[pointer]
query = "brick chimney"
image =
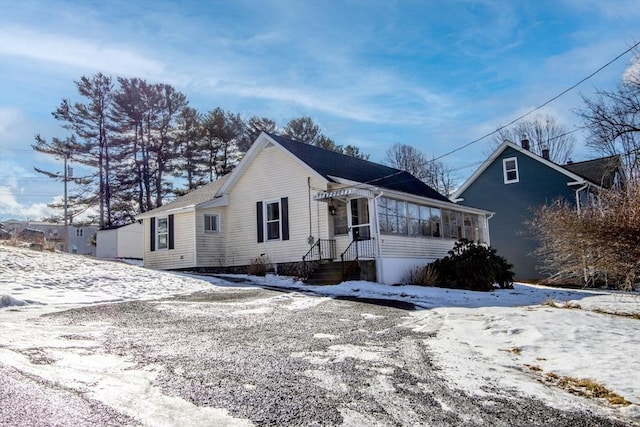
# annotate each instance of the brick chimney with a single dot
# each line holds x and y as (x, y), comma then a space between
(525, 143)
(545, 152)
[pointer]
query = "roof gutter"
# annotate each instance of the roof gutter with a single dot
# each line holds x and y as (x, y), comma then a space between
(155, 213)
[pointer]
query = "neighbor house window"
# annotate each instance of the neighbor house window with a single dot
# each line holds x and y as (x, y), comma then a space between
(163, 233)
(510, 169)
(211, 223)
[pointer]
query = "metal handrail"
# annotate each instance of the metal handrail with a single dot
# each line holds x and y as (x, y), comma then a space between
(356, 251)
(322, 249)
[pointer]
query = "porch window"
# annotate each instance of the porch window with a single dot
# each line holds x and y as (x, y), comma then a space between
(436, 222)
(471, 228)
(411, 219)
(392, 216)
(211, 223)
(423, 221)
(510, 170)
(452, 223)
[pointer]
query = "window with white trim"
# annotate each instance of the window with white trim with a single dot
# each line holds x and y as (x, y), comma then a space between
(162, 235)
(416, 220)
(211, 223)
(272, 220)
(510, 170)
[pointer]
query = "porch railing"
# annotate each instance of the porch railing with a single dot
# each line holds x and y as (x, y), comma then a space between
(360, 247)
(322, 249)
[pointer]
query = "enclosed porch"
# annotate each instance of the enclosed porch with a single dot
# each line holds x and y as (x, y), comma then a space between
(379, 235)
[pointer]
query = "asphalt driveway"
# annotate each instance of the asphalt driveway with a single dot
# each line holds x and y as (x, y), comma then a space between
(282, 358)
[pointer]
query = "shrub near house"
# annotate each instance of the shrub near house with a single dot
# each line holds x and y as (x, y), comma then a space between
(468, 266)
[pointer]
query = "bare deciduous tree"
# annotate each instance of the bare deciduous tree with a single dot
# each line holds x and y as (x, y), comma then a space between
(432, 172)
(613, 120)
(542, 131)
(600, 244)
(408, 159)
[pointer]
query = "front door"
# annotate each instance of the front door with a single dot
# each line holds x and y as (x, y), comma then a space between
(360, 227)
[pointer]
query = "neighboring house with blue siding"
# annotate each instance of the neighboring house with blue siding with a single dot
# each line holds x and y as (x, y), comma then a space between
(513, 182)
(287, 200)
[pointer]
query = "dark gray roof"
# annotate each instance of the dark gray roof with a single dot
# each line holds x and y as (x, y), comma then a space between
(332, 164)
(600, 171)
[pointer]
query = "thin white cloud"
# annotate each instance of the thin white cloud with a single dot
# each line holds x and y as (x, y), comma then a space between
(627, 9)
(632, 73)
(75, 52)
(10, 207)
(11, 120)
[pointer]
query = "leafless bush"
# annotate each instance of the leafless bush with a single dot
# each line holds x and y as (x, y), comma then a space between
(600, 245)
(258, 266)
(422, 275)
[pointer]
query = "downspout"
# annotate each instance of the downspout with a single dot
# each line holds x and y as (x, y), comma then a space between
(585, 186)
(488, 232)
(310, 239)
(379, 269)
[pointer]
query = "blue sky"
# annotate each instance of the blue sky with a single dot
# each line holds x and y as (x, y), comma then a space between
(431, 74)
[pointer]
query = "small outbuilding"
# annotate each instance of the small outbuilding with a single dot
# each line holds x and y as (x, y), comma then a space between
(121, 242)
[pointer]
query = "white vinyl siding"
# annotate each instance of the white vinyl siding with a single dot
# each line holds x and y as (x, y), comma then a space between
(272, 220)
(182, 255)
(394, 246)
(510, 170)
(260, 184)
(211, 223)
(211, 247)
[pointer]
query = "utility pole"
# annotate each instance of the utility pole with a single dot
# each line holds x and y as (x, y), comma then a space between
(66, 223)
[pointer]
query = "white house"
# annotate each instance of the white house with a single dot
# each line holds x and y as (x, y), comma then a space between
(287, 201)
(121, 242)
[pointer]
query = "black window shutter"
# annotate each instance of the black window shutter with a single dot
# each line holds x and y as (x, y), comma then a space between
(171, 236)
(284, 208)
(152, 235)
(260, 223)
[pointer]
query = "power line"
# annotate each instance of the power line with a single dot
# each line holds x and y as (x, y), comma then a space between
(540, 106)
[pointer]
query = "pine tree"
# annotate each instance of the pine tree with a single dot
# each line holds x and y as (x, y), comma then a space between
(89, 145)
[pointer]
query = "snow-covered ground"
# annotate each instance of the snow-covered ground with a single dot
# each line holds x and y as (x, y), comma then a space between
(526, 338)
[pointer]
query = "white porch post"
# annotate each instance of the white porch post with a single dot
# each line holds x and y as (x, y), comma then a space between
(376, 228)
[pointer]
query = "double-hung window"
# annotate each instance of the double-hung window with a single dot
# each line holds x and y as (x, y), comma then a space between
(211, 223)
(163, 233)
(272, 218)
(510, 170)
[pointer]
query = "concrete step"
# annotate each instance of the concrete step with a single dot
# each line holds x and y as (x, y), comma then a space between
(330, 273)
